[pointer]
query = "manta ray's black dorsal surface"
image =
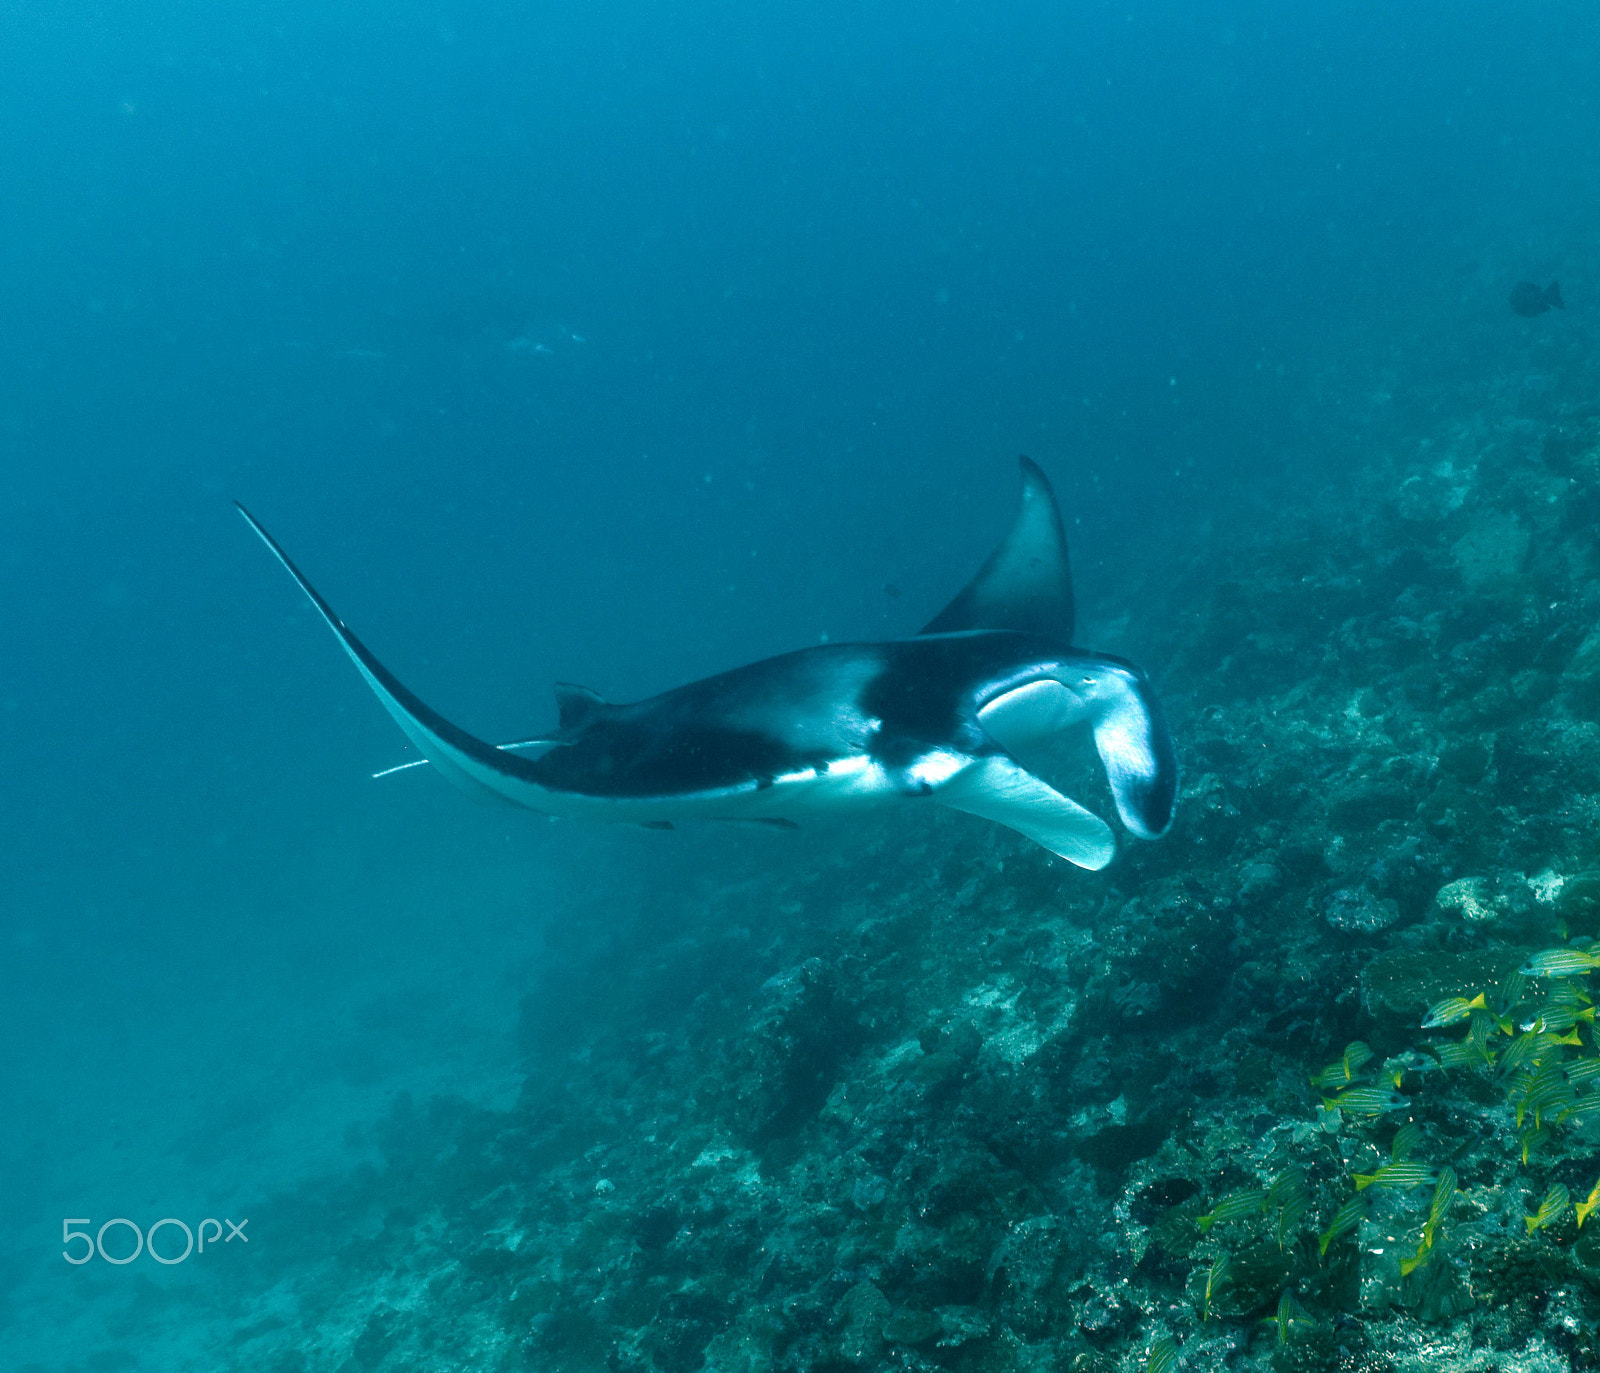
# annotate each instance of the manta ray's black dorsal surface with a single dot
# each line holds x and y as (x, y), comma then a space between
(939, 717)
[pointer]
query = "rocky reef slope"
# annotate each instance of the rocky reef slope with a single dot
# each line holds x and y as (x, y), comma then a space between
(942, 1102)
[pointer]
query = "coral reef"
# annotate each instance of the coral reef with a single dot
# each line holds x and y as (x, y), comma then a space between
(977, 1111)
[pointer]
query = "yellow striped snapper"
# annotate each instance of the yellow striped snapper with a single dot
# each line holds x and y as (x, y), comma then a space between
(1412, 1061)
(1406, 1138)
(1551, 1209)
(1443, 1194)
(1163, 1357)
(1580, 1074)
(1558, 1019)
(1561, 962)
(1368, 1101)
(1452, 1010)
(1216, 1275)
(1290, 1197)
(1248, 1201)
(1290, 1314)
(1342, 1073)
(1512, 987)
(1587, 1205)
(1469, 1053)
(1345, 1219)
(1537, 1091)
(1534, 1047)
(1397, 1177)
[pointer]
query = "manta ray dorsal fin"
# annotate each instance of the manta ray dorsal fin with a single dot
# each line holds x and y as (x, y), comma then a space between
(1027, 582)
(576, 707)
(1000, 789)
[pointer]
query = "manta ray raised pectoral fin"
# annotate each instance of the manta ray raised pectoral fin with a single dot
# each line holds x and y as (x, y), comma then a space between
(480, 769)
(999, 788)
(1026, 585)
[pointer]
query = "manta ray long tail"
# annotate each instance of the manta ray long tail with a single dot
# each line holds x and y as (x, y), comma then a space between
(540, 742)
(477, 768)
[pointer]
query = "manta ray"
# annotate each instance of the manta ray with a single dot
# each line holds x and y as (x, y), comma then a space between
(942, 716)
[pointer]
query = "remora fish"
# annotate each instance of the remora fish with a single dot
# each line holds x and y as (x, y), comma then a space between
(846, 725)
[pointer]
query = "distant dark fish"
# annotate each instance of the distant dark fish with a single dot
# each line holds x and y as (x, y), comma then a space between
(1529, 300)
(891, 590)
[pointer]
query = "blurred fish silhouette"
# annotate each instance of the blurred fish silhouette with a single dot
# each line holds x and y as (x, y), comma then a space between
(845, 726)
(1529, 300)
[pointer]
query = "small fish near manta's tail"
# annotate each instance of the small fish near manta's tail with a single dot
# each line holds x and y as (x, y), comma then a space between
(482, 771)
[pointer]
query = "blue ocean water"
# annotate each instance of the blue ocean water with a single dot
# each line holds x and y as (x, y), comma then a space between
(615, 343)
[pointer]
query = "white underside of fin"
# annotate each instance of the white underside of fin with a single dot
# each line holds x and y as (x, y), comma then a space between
(999, 788)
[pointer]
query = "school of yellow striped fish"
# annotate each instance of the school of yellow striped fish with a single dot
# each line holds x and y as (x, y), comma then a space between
(1527, 1035)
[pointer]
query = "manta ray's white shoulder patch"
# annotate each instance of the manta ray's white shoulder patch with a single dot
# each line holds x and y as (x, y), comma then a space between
(935, 768)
